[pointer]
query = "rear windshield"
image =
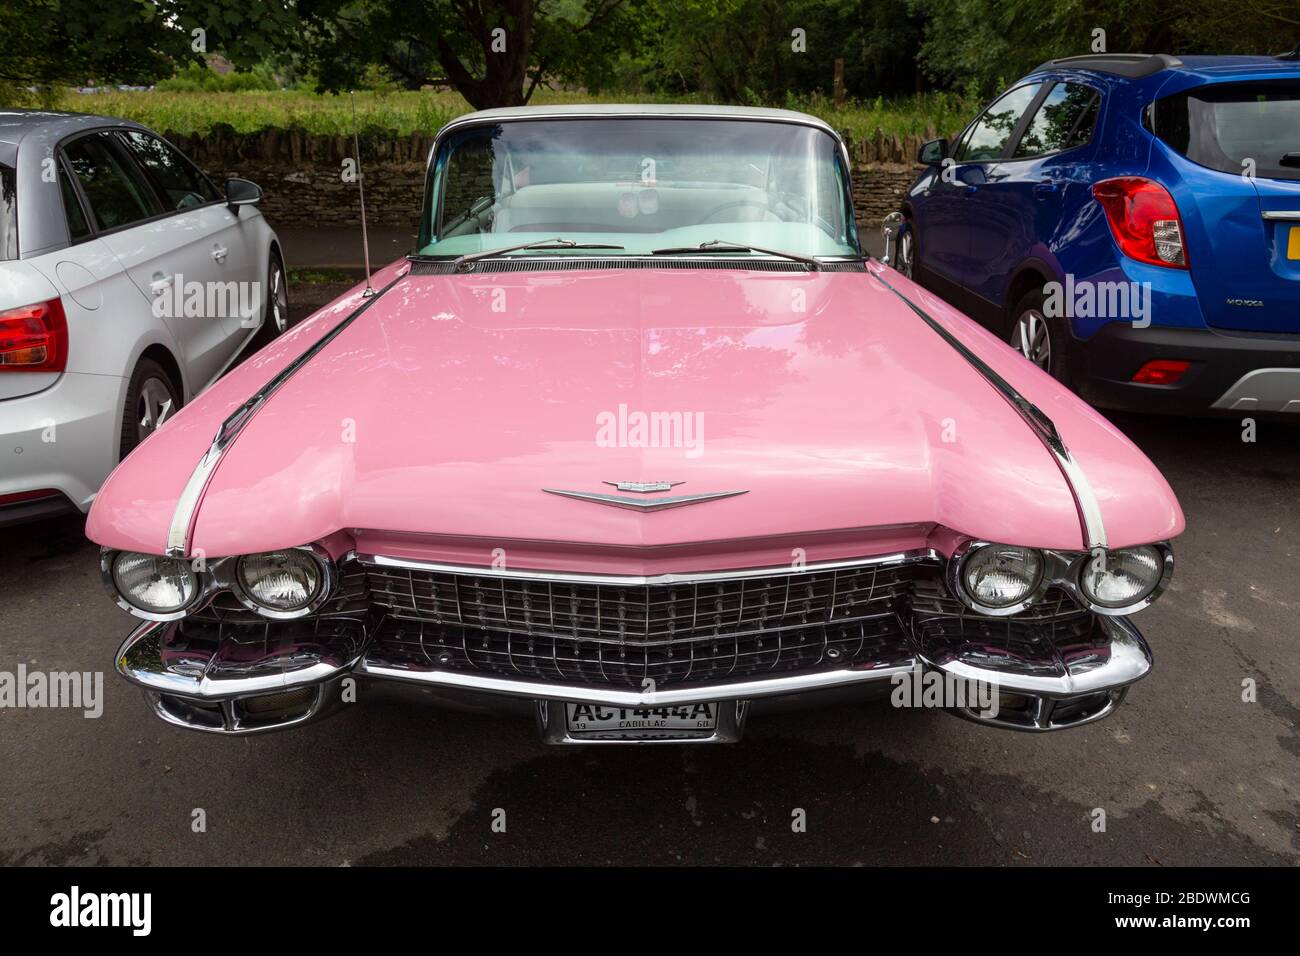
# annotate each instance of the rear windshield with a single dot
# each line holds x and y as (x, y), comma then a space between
(1234, 126)
(8, 214)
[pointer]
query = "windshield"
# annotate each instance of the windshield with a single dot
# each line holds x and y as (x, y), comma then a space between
(1236, 126)
(643, 184)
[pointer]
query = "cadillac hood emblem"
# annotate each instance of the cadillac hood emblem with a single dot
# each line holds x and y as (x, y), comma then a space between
(645, 488)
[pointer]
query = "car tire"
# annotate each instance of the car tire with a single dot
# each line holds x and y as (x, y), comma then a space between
(151, 395)
(1043, 339)
(275, 320)
(905, 254)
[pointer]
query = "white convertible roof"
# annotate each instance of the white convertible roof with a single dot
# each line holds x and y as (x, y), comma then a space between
(579, 110)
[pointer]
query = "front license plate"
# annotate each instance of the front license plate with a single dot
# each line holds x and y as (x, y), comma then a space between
(641, 723)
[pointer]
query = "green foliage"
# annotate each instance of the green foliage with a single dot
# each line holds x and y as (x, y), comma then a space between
(187, 113)
(493, 52)
(50, 43)
(196, 78)
(759, 51)
(733, 51)
(403, 113)
(985, 44)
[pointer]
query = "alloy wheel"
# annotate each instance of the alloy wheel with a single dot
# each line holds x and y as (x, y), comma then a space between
(279, 298)
(1032, 338)
(906, 248)
(153, 407)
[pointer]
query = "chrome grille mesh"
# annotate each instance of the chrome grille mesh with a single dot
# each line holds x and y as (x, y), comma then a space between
(721, 657)
(1045, 639)
(625, 634)
(870, 616)
(640, 614)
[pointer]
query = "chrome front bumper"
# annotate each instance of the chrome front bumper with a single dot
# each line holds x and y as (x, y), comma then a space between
(300, 675)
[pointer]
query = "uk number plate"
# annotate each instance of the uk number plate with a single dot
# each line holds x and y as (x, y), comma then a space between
(641, 722)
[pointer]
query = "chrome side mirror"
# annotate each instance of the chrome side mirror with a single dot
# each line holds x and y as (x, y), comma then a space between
(890, 227)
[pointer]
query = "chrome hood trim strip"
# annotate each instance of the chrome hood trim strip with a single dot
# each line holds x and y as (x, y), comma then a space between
(635, 580)
(181, 531)
(643, 504)
(1085, 500)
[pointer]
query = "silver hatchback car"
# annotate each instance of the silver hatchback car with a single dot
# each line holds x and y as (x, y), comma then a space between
(128, 282)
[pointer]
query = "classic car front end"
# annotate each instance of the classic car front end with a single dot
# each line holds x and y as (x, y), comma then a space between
(637, 441)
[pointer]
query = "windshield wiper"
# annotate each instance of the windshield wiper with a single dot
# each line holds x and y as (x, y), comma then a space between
(720, 245)
(476, 209)
(556, 243)
(1290, 159)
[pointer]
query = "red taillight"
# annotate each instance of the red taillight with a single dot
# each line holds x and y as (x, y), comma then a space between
(28, 496)
(1144, 220)
(34, 338)
(1161, 372)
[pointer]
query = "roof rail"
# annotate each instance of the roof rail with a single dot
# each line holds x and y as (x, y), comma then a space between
(1131, 65)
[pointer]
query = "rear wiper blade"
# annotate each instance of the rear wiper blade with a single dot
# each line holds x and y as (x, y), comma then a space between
(1290, 159)
(719, 245)
(556, 243)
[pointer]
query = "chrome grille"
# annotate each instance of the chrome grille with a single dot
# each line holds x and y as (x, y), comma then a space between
(709, 658)
(1043, 639)
(643, 613)
(624, 634)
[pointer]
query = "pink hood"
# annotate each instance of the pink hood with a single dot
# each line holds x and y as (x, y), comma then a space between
(448, 406)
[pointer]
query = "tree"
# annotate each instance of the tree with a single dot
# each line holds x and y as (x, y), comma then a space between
(492, 52)
(50, 43)
(987, 43)
(761, 51)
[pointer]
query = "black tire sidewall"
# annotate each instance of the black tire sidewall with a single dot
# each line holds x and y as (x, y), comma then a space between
(145, 369)
(909, 230)
(1057, 330)
(268, 332)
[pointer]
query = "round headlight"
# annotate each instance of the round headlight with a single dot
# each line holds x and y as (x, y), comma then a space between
(154, 584)
(1122, 578)
(280, 581)
(1001, 576)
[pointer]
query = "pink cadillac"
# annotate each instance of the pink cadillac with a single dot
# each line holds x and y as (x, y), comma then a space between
(639, 441)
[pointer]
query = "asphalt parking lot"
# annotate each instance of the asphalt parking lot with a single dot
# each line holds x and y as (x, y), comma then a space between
(1187, 772)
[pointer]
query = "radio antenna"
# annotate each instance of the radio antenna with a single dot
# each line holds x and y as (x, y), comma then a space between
(361, 184)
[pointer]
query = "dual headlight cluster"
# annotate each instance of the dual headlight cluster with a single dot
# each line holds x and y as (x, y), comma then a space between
(1002, 579)
(278, 584)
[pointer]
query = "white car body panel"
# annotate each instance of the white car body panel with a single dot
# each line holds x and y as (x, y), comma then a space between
(62, 430)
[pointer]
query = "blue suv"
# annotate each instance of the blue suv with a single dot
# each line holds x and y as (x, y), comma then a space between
(1130, 223)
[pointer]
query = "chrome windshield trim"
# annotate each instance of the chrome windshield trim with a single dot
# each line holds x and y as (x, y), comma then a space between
(730, 113)
(181, 530)
(1085, 500)
(897, 558)
(446, 265)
